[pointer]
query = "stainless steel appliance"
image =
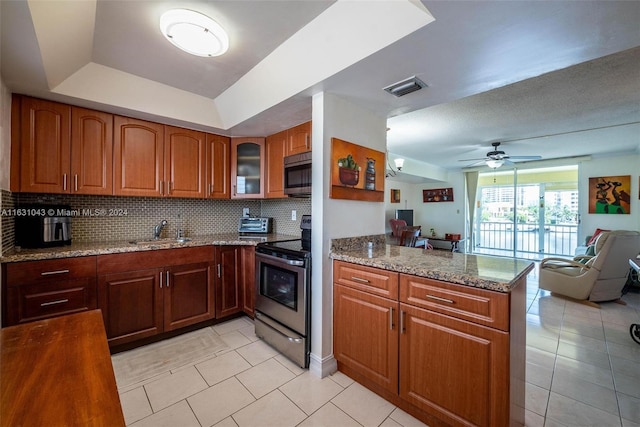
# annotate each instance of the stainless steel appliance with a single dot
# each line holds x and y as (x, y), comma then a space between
(253, 225)
(283, 296)
(297, 175)
(43, 226)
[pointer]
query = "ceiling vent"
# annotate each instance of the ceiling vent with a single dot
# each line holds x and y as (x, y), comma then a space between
(406, 86)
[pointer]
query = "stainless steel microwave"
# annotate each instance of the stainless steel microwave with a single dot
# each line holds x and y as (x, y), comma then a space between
(297, 175)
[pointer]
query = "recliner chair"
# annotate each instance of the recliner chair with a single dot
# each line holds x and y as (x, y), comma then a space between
(597, 278)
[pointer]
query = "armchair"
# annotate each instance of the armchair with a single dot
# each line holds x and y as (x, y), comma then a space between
(597, 278)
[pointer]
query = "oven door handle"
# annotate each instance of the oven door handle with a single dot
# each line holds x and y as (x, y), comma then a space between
(291, 339)
(294, 262)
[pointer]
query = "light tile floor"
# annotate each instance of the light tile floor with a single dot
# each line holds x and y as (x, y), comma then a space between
(583, 369)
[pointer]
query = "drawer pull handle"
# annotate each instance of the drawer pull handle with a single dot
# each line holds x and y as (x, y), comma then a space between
(358, 279)
(60, 301)
(49, 273)
(450, 301)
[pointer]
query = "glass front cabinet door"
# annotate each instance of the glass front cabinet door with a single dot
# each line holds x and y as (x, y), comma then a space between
(247, 168)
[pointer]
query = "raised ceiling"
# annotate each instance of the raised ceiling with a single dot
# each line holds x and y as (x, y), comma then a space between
(557, 79)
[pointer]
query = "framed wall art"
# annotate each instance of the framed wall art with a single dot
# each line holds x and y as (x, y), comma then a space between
(437, 195)
(357, 172)
(610, 195)
(395, 196)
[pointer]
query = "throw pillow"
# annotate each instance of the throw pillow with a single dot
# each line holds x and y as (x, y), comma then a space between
(593, 238)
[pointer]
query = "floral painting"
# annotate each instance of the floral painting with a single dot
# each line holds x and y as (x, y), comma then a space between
(357, 172)
(610, 195)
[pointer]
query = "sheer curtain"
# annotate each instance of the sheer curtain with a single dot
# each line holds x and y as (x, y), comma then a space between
(471, 178)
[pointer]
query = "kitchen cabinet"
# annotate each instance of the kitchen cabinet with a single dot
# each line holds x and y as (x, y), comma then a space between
(247, 168)
(45, 144)
(62, 149)
(138, 157)
(228, 260)
(91, 152)
(42, 289)
(276, 151)
(299, 139)
(413, 340)
(218, 154)
(184, 162)
(249, 279)
(142, 294)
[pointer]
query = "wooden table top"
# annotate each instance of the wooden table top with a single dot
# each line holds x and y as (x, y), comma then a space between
(58, 372)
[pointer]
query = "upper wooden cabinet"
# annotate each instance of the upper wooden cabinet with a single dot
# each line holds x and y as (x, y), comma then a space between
(276, 151)
(299, 139)
(45, 144)
(184, 162)
(247, 168)
(138, 157)
(218, 154)
(91, 152)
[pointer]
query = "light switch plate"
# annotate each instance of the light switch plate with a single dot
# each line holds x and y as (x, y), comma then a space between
(294, 215)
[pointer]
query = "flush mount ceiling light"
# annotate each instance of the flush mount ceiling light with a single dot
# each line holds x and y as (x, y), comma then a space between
(194, 32)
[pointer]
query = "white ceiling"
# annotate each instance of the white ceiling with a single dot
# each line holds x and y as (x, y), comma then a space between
(553, 78)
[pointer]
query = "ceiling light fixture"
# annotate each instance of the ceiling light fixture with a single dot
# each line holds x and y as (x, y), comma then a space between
(398, 162)
(194, 32)
(494, 163)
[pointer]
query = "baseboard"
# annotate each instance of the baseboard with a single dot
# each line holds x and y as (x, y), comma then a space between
(322, 367)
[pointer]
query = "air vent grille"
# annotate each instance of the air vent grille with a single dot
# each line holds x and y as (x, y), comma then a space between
(406, 86)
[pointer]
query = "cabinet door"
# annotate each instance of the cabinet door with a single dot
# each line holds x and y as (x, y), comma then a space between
(188, 295)
(228, 285)
(249, 279)
(299, 139)
(138, 157)
(440, 354)
(217, 167)
(91, 152)
(276, 150)
(184, 158)
(131, 304)
(44, 146)
(365, 336)
(247, 168)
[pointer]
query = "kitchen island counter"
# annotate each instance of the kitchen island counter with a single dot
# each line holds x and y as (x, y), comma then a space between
(479, 271)
(116, 247)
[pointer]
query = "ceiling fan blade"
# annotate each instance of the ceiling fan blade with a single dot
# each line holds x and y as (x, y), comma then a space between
(476, 163)
(525, 157)
(473, 160)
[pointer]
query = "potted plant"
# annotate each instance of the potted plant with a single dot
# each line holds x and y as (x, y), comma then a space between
(349, 171)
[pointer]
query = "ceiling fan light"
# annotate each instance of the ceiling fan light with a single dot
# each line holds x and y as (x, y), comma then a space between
(194, 32)
(495, 163)
(399, 163)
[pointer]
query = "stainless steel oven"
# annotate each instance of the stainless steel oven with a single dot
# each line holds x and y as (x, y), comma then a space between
(283, 291)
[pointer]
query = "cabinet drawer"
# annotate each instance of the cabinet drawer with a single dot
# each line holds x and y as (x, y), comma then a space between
(368, 279)
(29, 272)
(32, 302)
(479, 306)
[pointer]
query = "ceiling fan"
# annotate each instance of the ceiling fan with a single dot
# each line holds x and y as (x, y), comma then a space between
(497, 158)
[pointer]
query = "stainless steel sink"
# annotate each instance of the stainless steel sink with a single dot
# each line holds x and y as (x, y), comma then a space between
(159, 241)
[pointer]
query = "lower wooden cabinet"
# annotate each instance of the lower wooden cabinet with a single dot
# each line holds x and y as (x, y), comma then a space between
(37, 290)
(249, 279)
(420, 350)
(142, 294)
(228, 261)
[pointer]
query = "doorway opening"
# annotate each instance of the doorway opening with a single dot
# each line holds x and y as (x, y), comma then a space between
(527, 213)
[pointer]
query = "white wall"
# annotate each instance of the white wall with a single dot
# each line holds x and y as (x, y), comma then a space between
(336, 117)
(608, 166)
(5, 136)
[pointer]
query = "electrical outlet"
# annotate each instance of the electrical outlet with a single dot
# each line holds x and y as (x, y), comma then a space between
(294, 215)
(245, 212)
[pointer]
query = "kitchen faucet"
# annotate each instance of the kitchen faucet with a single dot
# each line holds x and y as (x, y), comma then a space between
(158, 229)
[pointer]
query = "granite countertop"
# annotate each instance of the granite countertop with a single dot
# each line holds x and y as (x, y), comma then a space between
(116, 247)
(479, 271)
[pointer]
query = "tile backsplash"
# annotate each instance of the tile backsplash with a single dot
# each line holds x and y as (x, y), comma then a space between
(7, 224)
(122, 218)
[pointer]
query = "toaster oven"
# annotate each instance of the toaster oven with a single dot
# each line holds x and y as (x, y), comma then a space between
(251, 225)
